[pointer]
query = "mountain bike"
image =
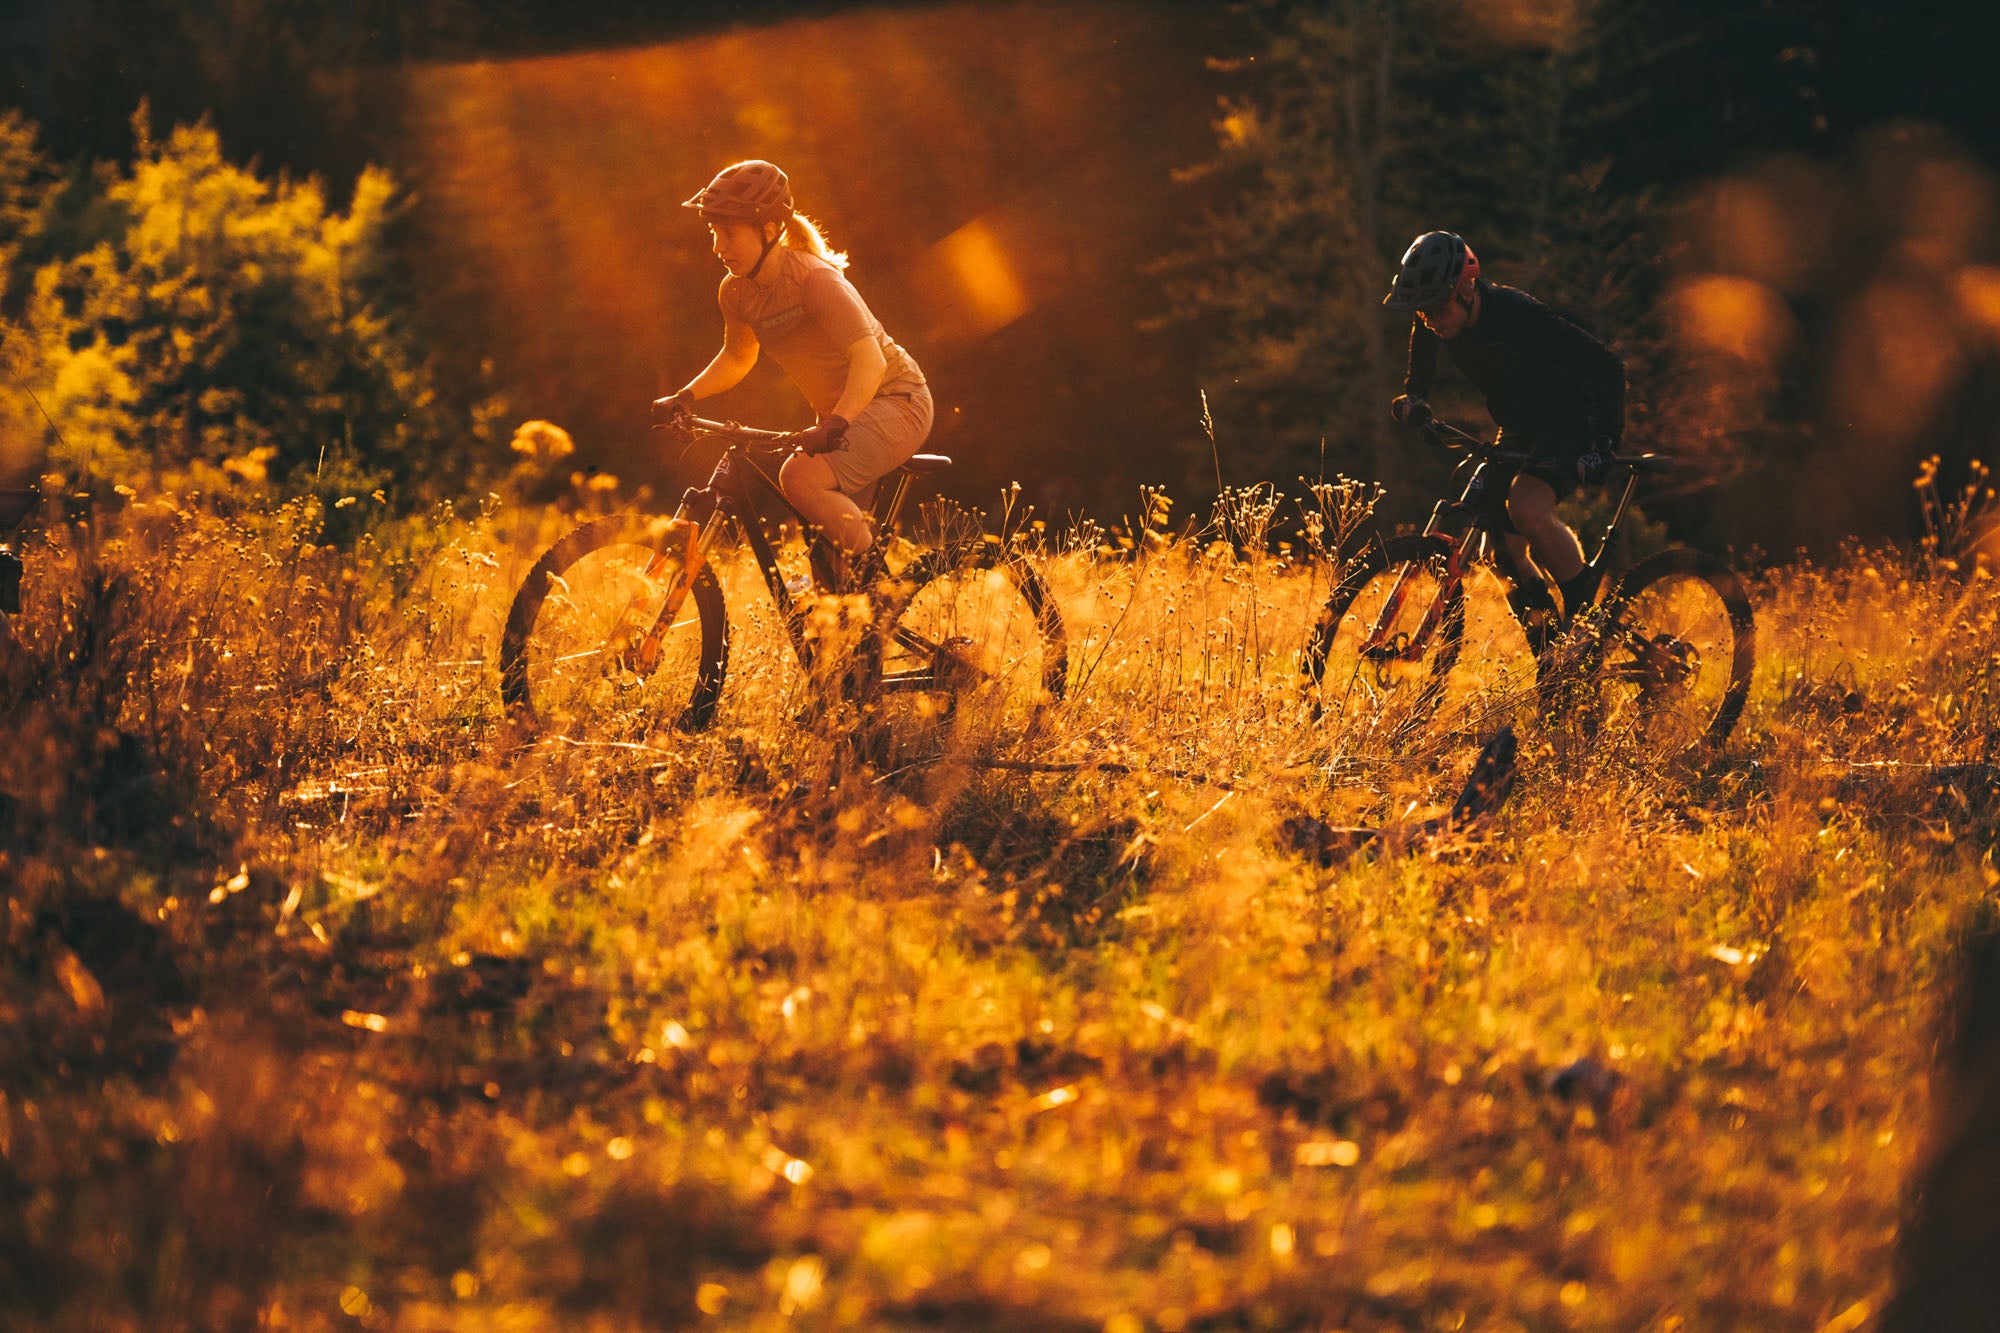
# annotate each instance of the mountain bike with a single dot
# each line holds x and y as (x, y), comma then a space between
(1663, 655)
(621, 626)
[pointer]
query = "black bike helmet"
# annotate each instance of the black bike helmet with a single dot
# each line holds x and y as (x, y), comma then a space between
(1437, 265)
(753, 191)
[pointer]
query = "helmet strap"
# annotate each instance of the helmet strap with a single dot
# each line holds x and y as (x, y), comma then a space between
(769, 245)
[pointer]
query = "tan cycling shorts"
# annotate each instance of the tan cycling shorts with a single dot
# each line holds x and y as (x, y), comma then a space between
(881, 438)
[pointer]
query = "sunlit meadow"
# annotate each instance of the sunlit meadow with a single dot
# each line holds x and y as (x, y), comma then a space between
(333, 999)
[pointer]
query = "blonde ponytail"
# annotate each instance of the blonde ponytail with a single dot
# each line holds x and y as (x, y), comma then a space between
(801, 234)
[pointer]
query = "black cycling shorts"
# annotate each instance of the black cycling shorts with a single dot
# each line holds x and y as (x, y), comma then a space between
(1554, 462)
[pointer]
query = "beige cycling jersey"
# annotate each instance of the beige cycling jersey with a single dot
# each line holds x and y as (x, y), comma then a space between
(807, 320)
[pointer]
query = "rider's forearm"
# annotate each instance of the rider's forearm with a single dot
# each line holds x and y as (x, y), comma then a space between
(722, 374)
(1423, 361)
(865, 367)
(1611, 400)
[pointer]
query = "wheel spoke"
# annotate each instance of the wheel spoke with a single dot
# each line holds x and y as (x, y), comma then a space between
(1684, 645)
(589, 648)
(972, 648)
(1387, 641)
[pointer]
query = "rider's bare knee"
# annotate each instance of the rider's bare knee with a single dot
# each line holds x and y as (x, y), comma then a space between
(805, 490)
(790, 479)
(1525, 490)
(1525, 516)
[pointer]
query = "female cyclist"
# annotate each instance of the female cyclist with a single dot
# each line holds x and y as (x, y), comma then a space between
(785, 291)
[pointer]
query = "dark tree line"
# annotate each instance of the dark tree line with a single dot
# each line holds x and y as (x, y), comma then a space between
(1566, 145)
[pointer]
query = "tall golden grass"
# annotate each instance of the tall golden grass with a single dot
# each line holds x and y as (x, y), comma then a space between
(332, 1000)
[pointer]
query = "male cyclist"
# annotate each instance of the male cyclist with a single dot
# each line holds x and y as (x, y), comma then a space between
(1556, 392)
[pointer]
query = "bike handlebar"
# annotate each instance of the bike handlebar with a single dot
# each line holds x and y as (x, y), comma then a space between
(1444, 435)
(734, 431)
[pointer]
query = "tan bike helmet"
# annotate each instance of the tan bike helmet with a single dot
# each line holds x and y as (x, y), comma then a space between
(752, 191)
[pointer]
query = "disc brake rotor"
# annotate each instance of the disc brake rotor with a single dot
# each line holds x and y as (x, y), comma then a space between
(1393, 650)
(1663, 663)
(952, 667)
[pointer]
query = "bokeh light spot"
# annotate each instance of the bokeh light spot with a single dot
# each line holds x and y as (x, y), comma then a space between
(1895, 358)
(992, 294)
(1977, 287)
(1950, 214)
(1774, 223)
(1525, 23)
(1735, 316)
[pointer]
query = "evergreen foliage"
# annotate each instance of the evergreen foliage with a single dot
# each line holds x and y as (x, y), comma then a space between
(1360, 124)
(197, 324)
(24, 183)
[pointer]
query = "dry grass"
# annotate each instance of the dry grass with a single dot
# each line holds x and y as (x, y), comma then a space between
(330, 1001)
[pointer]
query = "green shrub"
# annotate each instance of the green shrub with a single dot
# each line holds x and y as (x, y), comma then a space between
(199, 325)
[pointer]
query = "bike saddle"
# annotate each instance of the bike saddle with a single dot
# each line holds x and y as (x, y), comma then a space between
(922, 463)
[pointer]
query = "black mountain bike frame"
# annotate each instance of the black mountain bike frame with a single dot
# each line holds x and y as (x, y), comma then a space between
(731, 494)
(1464, 526)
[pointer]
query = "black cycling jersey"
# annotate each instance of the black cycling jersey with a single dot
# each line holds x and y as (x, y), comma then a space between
(1545, 380)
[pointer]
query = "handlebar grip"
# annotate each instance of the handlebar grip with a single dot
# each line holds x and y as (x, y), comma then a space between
(1412, 412)
(734, 431)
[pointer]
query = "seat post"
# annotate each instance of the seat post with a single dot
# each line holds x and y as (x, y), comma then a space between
(889, 503)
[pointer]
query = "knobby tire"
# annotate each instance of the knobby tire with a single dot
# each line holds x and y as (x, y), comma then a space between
(565, 578)
(1651, 575)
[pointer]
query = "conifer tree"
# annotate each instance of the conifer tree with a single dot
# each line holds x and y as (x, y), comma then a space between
(1362, 123)
(208, 326)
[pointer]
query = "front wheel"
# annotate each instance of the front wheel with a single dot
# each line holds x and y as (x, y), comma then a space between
(966, 641)
(1675, 655)
(1387, 638)
(590, 645)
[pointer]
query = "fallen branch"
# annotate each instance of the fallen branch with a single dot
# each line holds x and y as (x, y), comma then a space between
(1492, 778)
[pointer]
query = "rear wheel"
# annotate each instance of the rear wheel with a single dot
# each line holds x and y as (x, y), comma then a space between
(1676, 654)
(589, 646)
(970, 644)
(1371, 661)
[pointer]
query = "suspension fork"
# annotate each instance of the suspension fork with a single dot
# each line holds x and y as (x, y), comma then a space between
(1617, 518)
(697, 537)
